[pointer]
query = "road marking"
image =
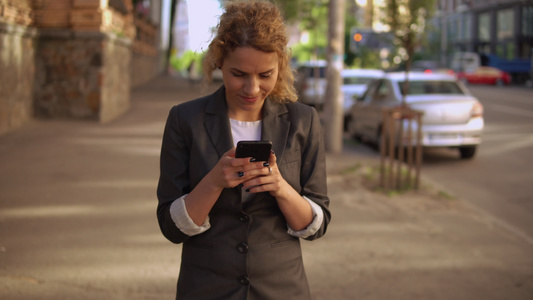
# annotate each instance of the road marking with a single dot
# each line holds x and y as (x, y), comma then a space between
(525, 141)
(510, 110)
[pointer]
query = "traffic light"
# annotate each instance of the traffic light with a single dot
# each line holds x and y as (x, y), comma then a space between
(369, 39)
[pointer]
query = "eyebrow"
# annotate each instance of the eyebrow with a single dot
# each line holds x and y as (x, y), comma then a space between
(267, 71)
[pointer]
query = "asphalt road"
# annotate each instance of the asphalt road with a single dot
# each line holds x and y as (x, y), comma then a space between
(499, 179)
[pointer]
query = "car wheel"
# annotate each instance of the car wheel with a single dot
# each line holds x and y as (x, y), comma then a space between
(467, 152)
(350, 128)
(346, 122)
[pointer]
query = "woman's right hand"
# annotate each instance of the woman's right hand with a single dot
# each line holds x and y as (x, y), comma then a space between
(229, 172)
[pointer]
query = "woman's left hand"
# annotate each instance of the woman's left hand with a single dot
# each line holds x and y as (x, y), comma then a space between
(270, 180)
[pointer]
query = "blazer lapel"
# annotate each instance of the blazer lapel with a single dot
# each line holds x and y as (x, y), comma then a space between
(217, 122)
(276, 126)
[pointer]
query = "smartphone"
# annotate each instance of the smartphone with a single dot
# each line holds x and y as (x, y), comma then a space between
(260, 150)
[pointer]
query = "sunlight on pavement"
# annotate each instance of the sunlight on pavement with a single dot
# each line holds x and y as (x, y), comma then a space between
(76, 210)
(524, 142)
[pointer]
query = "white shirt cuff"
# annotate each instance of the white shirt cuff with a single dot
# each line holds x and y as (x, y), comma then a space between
(318, 218)
(178, 213)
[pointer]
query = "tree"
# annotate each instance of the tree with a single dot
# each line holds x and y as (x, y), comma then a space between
(173, 7)
(407, 20)
(335, 57)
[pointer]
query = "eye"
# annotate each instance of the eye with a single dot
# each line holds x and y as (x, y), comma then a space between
(237, 74)
(267, 75)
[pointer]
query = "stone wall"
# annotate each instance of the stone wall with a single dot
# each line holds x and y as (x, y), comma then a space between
(81, 75)
(17, 48)
(72, 59)
(145, 63)
(115, 79)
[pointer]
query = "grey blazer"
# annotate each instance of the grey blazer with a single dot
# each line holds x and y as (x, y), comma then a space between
(247, 253)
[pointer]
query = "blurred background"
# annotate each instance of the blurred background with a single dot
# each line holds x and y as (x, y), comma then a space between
(70, 57)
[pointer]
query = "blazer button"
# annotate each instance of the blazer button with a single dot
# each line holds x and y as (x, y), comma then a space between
(242, 247)
(244, 280)
(244, 218)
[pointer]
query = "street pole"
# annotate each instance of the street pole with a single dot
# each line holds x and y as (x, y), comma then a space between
(334, 97)
(444, 34)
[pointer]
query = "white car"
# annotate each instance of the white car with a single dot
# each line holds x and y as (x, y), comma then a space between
(354, 83)
(311, 83)
(452, 116)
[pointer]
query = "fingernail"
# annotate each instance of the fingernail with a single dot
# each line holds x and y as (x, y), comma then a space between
(247, 190)
(240, 185)
(272, 151)
(240, 174)
(252, 159)
(266, 164)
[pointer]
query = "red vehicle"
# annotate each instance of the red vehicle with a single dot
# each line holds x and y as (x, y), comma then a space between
(485, 75)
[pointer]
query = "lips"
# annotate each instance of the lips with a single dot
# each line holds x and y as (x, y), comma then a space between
(250, 99)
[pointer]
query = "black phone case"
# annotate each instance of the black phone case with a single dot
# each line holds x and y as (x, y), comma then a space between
(260, 150)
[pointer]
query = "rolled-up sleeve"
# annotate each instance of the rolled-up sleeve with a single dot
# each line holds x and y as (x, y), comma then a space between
(178, 213)
(318, 218)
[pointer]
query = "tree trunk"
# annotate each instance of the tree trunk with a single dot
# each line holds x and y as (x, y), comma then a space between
(173, 9)
(333, 101)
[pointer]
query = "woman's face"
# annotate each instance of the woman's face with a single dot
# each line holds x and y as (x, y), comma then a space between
(249, 76)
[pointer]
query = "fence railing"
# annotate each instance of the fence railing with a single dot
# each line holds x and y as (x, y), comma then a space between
(401, 149)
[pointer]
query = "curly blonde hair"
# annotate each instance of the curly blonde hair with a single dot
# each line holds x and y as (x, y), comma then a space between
(258, 25)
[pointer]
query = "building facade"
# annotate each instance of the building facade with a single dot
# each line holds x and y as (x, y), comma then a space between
(72, 58)
(503, 28)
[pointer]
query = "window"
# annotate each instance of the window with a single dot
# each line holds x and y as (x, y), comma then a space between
(527, 21)
(484, 27)
(465, 27)
(431, 87)
(505, 24)
(383, 90)
(368, 96)
(357, 80)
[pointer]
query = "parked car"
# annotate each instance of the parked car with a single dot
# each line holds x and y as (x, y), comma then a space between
(354, 83)
(452, 117)
(311, 83)
(485, 75)
(430, 67)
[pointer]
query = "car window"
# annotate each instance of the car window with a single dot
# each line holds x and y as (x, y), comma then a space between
(311, 71)
(371, 90)
(431, 87)
(383, 90)
(356, 80)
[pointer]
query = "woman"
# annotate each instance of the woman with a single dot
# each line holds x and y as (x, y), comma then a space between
(240, 220)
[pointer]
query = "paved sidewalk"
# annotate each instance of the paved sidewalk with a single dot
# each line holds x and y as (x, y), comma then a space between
(77, 221)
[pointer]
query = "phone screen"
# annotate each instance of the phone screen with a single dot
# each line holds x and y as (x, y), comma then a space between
(260, 150)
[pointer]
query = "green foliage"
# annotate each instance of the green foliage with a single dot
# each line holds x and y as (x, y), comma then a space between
(183, 62)
(367, 59)
(350, 22)
(312, 18)
(408, 21)
(351, 169)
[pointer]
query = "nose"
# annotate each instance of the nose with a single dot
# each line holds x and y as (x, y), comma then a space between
(251, 86)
